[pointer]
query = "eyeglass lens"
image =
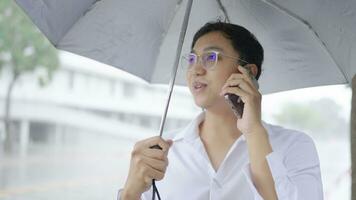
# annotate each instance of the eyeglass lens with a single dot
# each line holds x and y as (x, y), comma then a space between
(208, 59)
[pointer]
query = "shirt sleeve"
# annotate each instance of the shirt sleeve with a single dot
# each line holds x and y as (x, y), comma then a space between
(296, 172)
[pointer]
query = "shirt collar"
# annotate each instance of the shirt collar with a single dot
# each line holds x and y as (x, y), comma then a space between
(191, 132)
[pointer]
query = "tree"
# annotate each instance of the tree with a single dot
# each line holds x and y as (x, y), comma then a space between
(23, 49)
(322, 118)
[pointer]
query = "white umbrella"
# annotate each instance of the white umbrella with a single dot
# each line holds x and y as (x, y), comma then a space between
(307, 42)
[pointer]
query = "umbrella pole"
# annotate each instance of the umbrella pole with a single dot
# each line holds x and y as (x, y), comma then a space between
(353, 140)
(171, 84)
(176, 63)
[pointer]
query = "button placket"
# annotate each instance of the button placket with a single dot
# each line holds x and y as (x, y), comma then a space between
(215, 189)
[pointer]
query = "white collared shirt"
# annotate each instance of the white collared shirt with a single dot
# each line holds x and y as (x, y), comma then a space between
(294, 165)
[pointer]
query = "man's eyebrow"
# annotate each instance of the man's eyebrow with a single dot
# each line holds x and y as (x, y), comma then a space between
(209, 49)
(214, 48)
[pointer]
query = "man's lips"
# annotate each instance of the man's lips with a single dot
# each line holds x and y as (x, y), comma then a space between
(198, 85)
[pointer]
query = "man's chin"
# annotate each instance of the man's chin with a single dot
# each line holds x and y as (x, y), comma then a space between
(201, 104)
(205, 104)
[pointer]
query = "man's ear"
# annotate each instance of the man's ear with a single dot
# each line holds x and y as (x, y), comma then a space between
(253, 68)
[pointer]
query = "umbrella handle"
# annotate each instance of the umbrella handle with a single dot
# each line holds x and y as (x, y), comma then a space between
(155, 190)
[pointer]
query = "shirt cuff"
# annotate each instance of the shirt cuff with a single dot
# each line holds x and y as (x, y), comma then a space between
(119, 194)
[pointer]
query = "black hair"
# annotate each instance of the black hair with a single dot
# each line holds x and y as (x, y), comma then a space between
(242, 40)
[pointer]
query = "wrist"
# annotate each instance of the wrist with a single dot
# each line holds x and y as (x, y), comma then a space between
(129, 195)
(258, 142)
(256, 132)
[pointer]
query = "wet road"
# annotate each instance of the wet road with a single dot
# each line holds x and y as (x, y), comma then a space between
(92, 170)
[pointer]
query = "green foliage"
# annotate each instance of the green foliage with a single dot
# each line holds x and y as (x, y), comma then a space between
(22, 46)
(320, 118)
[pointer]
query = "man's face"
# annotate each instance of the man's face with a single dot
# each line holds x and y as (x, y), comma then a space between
(205, 84)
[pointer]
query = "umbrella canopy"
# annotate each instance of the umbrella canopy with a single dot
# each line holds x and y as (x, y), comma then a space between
(307, 42)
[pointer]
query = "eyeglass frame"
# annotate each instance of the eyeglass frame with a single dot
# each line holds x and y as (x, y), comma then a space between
(199, 59)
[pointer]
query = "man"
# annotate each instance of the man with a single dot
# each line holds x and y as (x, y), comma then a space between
(218, 155)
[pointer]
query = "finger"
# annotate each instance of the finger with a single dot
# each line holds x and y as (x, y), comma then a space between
(155, 153)
(241, 84)
(243, 70)
(156, 164)
(148, 143)
(238, 76)
(246, 74)
(151, 173)
(233, 77)
(237, 91)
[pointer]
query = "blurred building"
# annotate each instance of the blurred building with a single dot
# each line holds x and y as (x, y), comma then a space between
(85, 96)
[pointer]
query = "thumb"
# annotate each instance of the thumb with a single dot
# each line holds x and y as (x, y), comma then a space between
(170, 142)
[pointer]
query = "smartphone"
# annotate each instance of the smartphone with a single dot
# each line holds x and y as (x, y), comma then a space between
(237, 105)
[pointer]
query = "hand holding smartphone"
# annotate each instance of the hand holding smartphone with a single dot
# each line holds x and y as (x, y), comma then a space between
(237, 105)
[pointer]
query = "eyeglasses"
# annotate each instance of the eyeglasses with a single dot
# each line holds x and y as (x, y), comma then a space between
(207, 59)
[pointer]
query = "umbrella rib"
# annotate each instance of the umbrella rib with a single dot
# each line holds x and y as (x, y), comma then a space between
(307, 24)
(176, 9)
(223, 9)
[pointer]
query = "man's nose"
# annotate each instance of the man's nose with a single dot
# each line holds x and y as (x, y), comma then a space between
(198, 67)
